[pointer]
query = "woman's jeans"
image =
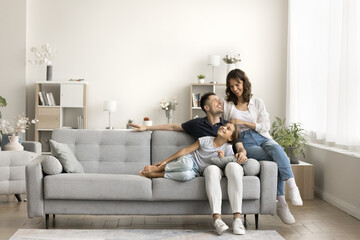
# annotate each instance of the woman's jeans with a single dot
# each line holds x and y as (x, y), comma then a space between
(182, 169)
(262, 148)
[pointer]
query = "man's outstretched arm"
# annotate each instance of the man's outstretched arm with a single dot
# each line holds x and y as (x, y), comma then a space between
(167, 127)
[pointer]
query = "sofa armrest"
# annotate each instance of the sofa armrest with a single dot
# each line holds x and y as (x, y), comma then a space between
(268, 186)
(32, 146)
(34, 187)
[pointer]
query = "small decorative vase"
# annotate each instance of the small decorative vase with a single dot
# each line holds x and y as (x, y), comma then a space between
(13, 144)
(5, 140)
(169, 115)
(230, 66)
(49, 72)
(147, 123)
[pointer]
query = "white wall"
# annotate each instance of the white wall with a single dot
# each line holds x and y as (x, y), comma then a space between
(12, 56)
(138, 52)
(336, 178)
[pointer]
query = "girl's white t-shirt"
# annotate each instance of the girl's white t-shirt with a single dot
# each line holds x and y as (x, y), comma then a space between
(207, 151)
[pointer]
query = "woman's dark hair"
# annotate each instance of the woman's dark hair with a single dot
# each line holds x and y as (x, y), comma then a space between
(236, 134)
(238, 75)
(204, 99)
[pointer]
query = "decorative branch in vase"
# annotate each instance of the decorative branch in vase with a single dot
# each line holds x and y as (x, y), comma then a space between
(2, 104)
(231, 61)
(169, 107)
(11, 134)
(44, 55)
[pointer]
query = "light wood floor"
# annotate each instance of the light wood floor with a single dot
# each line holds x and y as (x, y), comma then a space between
(315, 220)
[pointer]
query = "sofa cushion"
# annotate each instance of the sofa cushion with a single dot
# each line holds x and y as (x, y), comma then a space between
(107, 151)
(166, 143)
(92, 186)
(66, 157)
(251, 167)
(51, 165)
(171, 190)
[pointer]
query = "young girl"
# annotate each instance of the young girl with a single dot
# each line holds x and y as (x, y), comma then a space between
(192, 160)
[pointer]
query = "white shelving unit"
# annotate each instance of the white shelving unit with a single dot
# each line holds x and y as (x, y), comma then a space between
(201, 89)
(70, 104)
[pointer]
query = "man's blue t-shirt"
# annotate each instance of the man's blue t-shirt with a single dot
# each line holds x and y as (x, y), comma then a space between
(200, 127)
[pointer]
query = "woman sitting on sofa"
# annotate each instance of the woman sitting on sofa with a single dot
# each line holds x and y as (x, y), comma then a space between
(240, 107)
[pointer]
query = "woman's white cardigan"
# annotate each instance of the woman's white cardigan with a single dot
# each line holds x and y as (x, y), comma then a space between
(258, 114)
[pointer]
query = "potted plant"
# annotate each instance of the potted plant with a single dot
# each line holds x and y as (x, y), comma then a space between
(2, 104)
(231, 61)
(201, 78)
(147, 121)
(291, 138)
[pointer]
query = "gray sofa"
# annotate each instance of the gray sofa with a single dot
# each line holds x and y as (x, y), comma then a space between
(111, 183)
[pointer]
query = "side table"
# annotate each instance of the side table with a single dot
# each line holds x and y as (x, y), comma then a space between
(304, 177)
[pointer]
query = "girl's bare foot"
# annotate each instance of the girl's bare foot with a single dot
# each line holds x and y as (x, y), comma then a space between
(151, 168)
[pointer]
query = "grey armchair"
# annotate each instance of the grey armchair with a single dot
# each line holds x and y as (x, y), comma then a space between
(12, 168)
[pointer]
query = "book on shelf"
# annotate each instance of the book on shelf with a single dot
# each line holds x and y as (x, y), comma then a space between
(41, 99)
(52, 100)
(196, 99)
(80, 121)
(46, 101)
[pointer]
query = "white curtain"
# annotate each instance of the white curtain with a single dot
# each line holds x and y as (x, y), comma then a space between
(323, 82)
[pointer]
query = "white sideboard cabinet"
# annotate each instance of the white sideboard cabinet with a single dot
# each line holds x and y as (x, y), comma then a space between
(59, 105)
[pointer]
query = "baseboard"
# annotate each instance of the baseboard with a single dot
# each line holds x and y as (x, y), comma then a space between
(350, 209)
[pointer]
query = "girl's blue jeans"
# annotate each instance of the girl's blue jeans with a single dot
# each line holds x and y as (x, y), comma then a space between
(182, 169)
(262, 148)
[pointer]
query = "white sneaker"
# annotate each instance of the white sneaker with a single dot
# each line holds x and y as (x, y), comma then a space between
(238, 227)
(295, 197)
(220, 226)
(285, 215)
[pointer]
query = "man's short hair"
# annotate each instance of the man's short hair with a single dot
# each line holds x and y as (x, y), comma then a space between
(204, 99)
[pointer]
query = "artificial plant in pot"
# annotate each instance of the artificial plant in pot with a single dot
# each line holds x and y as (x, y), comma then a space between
(291, 138)
(2, 104)
(201, 78)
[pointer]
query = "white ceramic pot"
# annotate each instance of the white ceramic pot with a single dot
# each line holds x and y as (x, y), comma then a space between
(230, 66)
(147, 123)
(13, 144)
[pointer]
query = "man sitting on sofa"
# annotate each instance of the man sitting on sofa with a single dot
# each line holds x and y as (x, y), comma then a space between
(208, 126)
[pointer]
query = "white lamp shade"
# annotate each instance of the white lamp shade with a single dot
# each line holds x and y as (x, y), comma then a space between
(214, 60)
(110, 105)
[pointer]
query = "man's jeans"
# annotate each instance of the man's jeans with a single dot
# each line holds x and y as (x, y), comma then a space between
(262, 148)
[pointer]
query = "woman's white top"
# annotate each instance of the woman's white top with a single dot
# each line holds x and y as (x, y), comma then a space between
(258, 114)
(243, 115)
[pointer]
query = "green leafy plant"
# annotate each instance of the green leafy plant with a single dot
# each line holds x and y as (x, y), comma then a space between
(201, 76)
(291, 138)
(2, 103)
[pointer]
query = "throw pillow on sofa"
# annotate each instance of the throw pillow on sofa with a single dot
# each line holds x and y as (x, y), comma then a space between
(66, 157)
(51, 165)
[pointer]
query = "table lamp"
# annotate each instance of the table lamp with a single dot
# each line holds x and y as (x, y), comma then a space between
(110, 106)
(214, 61)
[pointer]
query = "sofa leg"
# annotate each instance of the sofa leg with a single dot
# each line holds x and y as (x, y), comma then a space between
(18, 197)
(256, 221)
(245, 220)
(47, 221)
